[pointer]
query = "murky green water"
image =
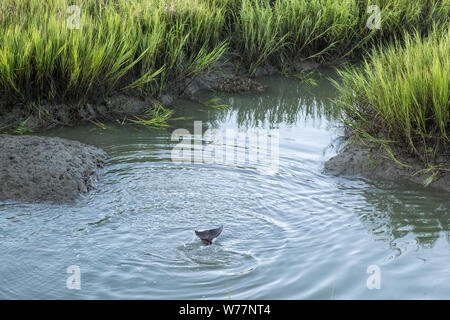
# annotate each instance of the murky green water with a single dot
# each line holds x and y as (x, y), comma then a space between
(293, 234)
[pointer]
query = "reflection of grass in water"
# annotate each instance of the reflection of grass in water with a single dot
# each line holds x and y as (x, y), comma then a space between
(306, 77)
(385, 216)
(285, 102)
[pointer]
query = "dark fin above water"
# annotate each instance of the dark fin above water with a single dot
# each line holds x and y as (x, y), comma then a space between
(207, 236)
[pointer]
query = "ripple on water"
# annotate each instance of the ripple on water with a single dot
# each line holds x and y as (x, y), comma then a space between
(217, 257)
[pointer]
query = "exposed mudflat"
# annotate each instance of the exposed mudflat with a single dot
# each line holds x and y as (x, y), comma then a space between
(373, 162)
(47, 169)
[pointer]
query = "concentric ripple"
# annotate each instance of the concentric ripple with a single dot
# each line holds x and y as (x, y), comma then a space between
(296, 233)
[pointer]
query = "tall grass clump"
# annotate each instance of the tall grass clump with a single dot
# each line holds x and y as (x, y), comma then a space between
(144, 45)
(41, 56)
(400, 96)
(285, 30)
(327, 29)
(256, 35)
(315, 28)
(120, 45)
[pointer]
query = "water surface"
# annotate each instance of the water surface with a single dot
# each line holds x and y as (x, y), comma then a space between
(294, 234)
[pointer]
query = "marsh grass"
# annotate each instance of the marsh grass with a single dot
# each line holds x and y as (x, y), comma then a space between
(155, 116)
(22, 128)
(143, 45)
(118, 46)
(400, 96)
(282, 30)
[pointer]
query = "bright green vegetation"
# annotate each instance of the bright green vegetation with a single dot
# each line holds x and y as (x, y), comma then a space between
(401, 96)
(121, 45)
(145, 44)
(325, 29)
(156, 116)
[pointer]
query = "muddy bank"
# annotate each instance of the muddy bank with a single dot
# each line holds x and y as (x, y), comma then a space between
(373, 162)
(51, 169)
(120, 105)
(47, 169)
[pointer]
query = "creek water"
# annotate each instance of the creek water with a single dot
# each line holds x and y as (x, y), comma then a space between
(293, 232)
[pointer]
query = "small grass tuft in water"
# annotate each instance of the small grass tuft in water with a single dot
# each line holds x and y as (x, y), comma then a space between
(306, 77)
(215, 103)
(99, 124)
(144, 45)
(156, 116)
(22, 128)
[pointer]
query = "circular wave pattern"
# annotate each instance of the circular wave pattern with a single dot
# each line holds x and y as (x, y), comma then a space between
(293, 234)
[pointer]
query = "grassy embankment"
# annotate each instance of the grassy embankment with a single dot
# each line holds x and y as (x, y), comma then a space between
(400, 97)
(141, 46)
